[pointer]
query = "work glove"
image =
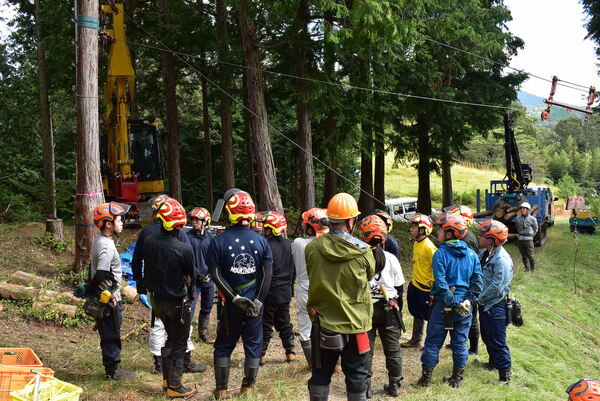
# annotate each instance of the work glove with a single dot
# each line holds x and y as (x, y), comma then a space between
(464, 308)
(244, 304)
(141, 287)
(203, 279)
(257, 306)
(81, 291)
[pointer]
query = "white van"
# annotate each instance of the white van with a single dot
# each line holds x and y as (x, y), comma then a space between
(401, 208)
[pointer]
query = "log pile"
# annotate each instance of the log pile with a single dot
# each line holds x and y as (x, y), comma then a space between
(505, 211)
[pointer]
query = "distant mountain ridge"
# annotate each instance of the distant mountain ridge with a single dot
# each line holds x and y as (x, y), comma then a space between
(529, 100)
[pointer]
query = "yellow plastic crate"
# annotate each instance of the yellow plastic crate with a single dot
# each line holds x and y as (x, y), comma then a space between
(52, 390)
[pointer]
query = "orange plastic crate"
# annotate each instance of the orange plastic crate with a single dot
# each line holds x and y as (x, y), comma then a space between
(19, 357)
(15, 378)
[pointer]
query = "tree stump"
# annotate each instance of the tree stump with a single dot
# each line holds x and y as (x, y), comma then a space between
(55, 227)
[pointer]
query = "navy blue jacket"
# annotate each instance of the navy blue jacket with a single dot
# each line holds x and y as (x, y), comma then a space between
(200, 244)
(391, 245)
(284, 271)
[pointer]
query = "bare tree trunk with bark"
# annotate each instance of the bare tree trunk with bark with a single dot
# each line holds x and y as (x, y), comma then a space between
(270, 198)
(447, 195)
(424, 168)
(170, 88)
(365, 200)
(248, 144)
(379, 182)
(330, 187)
(89, 182)
(207, 147)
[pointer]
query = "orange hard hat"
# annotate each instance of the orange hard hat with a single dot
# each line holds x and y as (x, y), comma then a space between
(317, 219)
(172, 215)
(454, 223)
(584, 390)
(463, 210)
(386, 218)
(342, 207)
(422, 221)
(493, 229)
(108, 211)
(372, 227)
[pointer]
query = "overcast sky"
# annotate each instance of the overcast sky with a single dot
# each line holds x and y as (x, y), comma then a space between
(554, 35)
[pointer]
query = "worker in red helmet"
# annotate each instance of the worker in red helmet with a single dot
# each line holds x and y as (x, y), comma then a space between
(314, 224)
(240, 263)
(277, 302)
(497, 269)
(584, 390)
(457, 284)
(391, 245)
(170, 278)
(200, 239)
(387, 319)
(158, 335)
(106, 274)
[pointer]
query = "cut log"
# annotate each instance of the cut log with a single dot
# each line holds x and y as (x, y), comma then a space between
(72, 299)
(1, 307)
(485, 213)
(15, 291)
(130, 294)
(510, 215)
(47, 295)
(28, 279)
(499, 214)
(55, 227)
(69, 310)
(513, 209)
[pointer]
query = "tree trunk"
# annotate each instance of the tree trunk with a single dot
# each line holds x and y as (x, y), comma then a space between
(170, 87)
(307, 180)
(265, 167)
(55, 226)
(248, 144)
(447, 196)
(225, 108)
(424, 168)
(379, 202)
(365, 200)
(207, 147)
(330, 184)
(89, 183)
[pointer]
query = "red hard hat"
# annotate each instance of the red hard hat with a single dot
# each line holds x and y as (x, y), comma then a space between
(240, 206)
(200, 213)
(423, 221)
(454, 223)
(317, 219)
(386, 218)
(172, 215)
(372, 227)
(584, 390)
(464, 211)
(276, 222)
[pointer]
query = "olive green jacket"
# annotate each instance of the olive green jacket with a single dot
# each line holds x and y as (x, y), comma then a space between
(339, 269)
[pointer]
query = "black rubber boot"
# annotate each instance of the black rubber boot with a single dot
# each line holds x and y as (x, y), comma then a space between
(425, 379)
(157, 364)
(485, 365)
(307, 349)
(318, 393)
(503, 376)
(417, 334)
(175, 388)
(203, 320)
(221, 378)
(115, 372)
(251, 366)
(393, 387)
(190, 367)
(357, 396)
(456, 378)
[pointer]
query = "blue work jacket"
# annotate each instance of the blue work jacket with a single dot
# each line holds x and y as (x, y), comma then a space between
(497, 275)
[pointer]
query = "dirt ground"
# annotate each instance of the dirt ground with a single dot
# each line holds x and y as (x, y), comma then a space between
(74, 353)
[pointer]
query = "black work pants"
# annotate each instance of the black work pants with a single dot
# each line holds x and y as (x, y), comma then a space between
(109, 329)
(390, 340)
(526, 249)
(177, 324)
(474, 333)
(278, 315)
(354, 365)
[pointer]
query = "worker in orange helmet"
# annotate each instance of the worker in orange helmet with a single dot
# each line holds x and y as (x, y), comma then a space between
(277, 302)
(314, 224)
(584, 390)
(339, 268)
(106, 275)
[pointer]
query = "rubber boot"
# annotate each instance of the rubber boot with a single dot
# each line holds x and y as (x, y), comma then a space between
(318, 393)
(425, 379)
(175, 388)
(456, 378)
(503, 377)
(115, 372)
(203, 320)
(485, 365)
(165, 352)
(307, 349)
(251, 366)
(393, 387)
(157, 364)
(417, 334)
(221, 378)
(357, 396)
(190, 367)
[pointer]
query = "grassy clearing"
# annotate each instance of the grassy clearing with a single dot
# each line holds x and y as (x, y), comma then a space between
(548, 353)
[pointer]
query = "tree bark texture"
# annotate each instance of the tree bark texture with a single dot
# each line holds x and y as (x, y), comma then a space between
(307, 180)
(225, 107)
(248, 144)
(207, 147)
(89, 183)
(45, 124)
(447, 195)
(269, 198)
(379, 181)
(330, 183)
(170, 87)
(365, 200)
(424, 167)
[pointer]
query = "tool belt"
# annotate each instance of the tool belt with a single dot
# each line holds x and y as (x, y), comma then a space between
(332, 341)
(390, 314)
(97, 305)
(514, 312)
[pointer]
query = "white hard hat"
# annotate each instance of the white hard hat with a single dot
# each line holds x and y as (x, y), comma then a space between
(526, 205)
